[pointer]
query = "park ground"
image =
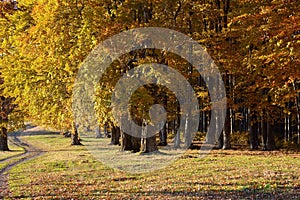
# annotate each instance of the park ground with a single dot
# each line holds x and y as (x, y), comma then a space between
(46, 166)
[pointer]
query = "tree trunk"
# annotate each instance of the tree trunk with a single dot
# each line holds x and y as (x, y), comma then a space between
(163, 136)
(163, 133)
(105, 131)
(226, 11)
(75, 136)
(204, 122)
(253, 132)
(187, 133)
(297, 99)
(220, 138)
(226, 131)
(286, 130)
(210, 138)
(253, 136)
(150, 145)
(220, 141)
(232, 121)
(270, 137)
(98, 132)
(298, 127)
(289, 127)
(177, 139)
(264, 136)
(200, 127)
(3, 140)
(130, 143)
(115, 135)
(170, 127)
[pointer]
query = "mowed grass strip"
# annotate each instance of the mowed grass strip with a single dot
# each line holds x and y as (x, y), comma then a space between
(66, 172)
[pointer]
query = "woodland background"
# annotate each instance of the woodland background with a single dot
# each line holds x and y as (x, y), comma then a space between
(254, 43)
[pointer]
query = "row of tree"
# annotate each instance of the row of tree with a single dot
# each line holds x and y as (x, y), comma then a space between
(255, 44)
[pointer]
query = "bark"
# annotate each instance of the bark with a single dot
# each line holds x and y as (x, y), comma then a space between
(227, 122)
(204, 121)
(220, 141)
(187, 133)
(75, 136)
(106, 132)
(115, 135)
(226, 131)
(270, 137)
(210, 138)
(226, 11)
(298, 126)
(177, 140)
(3, 140)
(163, 133)
(130, 143)
(143, 137)
(263, 129)
(98, 132)
(163, 136)
(170, 127)
(232, 120)
(253, 137)
(200, 126)
(150, 145)
(245, 125)
(253, 132)
(6, 107)
(296, 87)
(205, 24)
(285, 128)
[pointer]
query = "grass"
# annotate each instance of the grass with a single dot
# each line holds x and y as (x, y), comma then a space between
(14, 150)
(66, 172)
(139, 162)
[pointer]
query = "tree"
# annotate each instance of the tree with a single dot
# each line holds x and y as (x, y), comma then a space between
(10, 116)
(7, 107)
(43, 44)
(49, 43)
(257, 49)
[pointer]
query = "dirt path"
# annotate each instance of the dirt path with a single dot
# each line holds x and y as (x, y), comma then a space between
(30, 153)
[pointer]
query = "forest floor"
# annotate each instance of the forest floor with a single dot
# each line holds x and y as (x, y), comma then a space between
(46, 166)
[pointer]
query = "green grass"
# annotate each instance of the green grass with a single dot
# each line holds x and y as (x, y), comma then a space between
(66, 172)
(14, 150)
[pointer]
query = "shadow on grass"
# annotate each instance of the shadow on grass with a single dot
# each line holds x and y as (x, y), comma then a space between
(15, 150)
(32, 133)
(208, 194)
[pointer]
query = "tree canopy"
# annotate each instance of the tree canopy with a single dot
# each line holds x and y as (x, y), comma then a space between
(254, 43)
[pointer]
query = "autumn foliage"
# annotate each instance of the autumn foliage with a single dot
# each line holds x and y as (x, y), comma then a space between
(254, 43)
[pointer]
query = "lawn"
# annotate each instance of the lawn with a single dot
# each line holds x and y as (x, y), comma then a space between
(14, 150)
(7, 157)
(67, 172)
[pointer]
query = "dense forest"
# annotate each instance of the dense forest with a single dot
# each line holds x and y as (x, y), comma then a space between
(255, 44)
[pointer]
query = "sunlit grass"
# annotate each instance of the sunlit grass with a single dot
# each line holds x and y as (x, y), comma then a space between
(66, 171)
(14, 150)
(8, 157)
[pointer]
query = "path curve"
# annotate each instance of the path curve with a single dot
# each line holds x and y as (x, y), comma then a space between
(31, 152)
